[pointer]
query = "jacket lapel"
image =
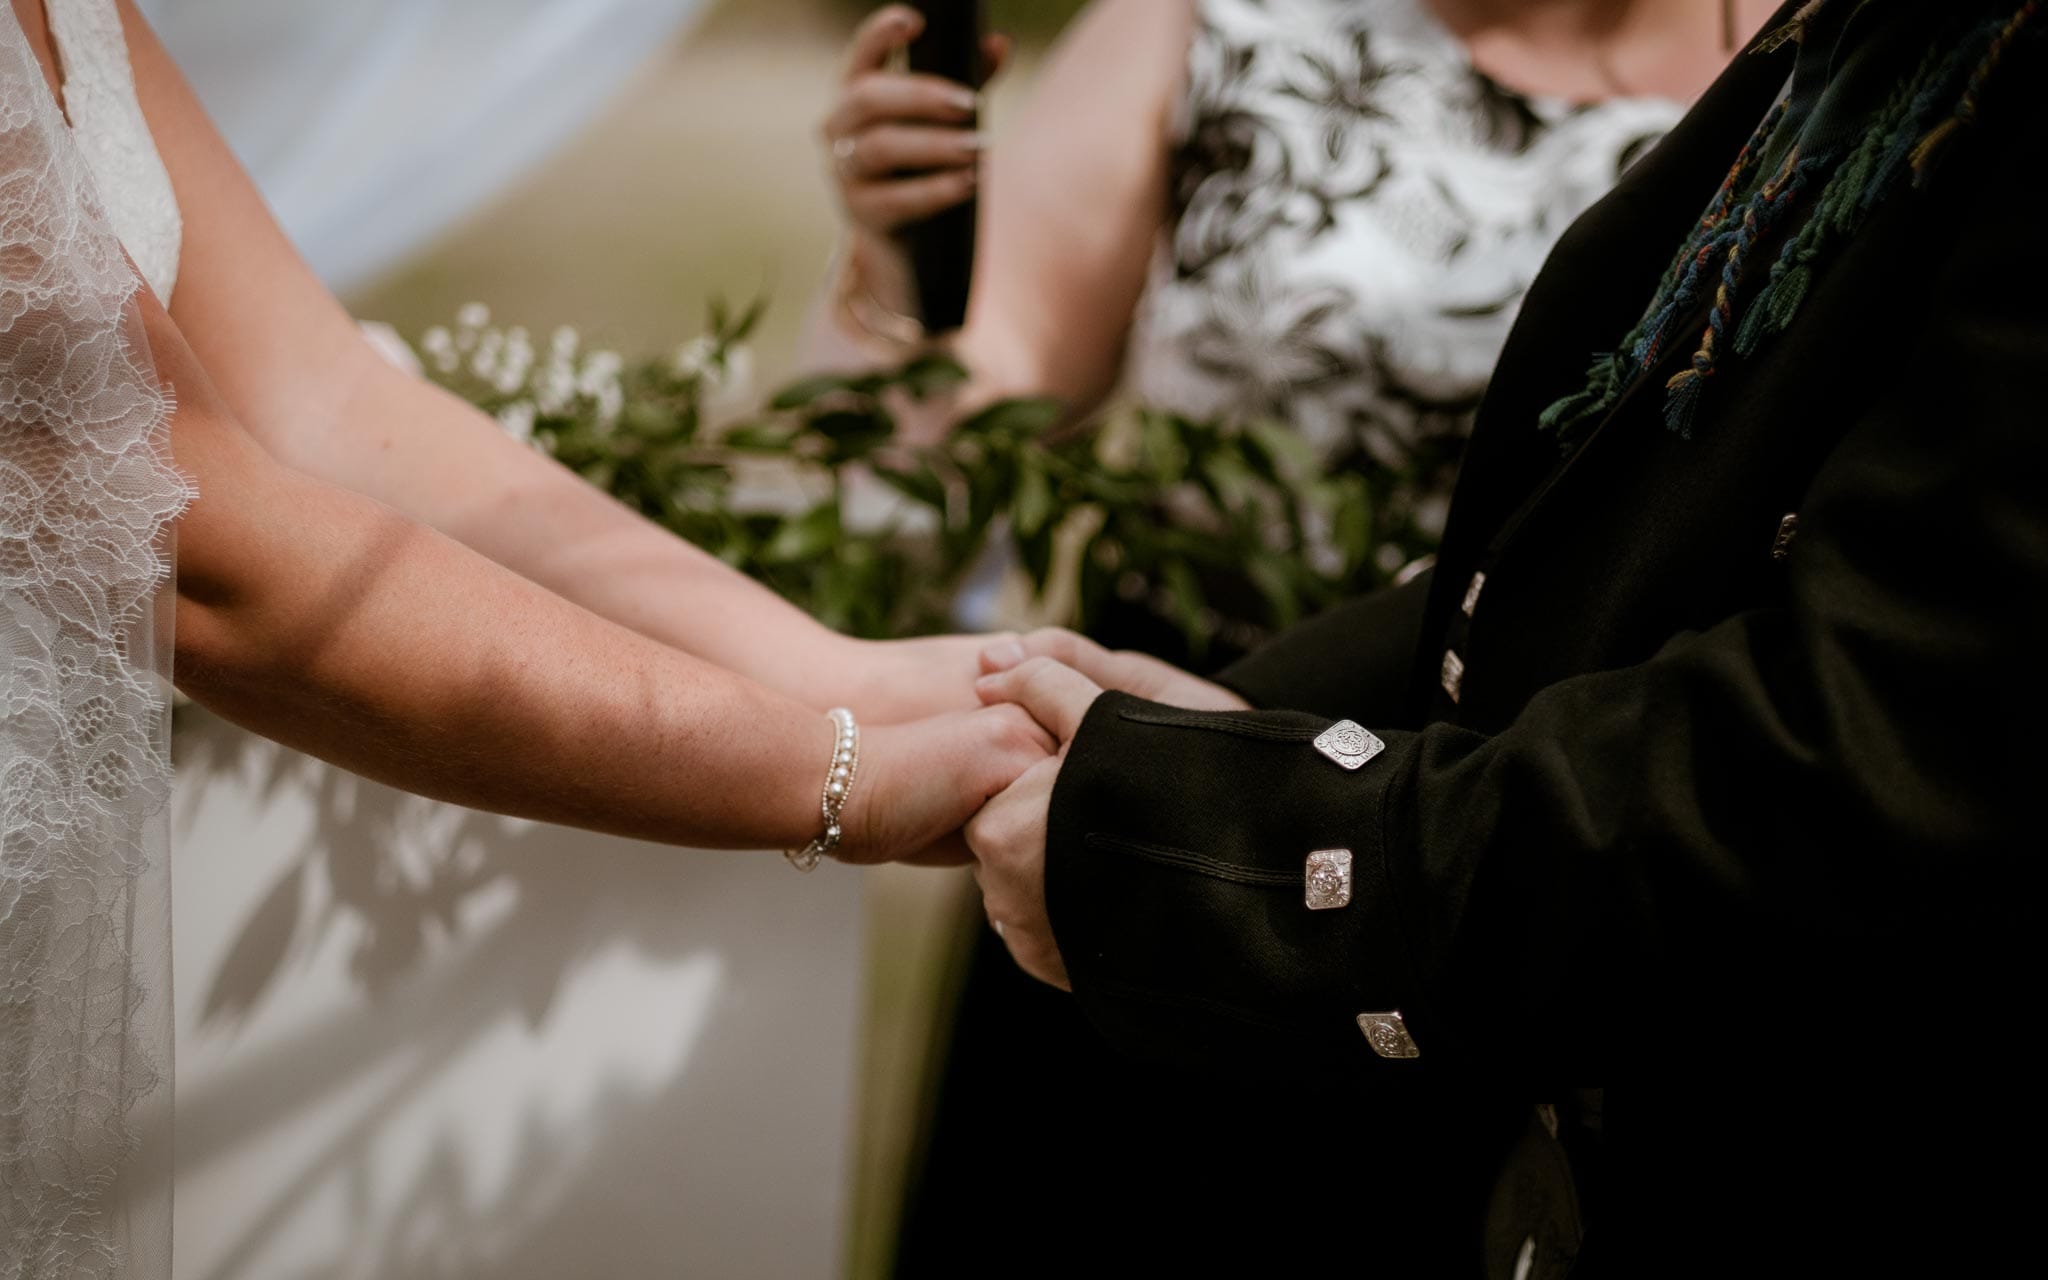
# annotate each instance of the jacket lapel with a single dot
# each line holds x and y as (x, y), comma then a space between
(1591, 291)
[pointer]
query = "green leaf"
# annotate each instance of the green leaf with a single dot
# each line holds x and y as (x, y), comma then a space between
(844, 424)
(1230, 480)
(928, 375)
(852, 434)
(806, 537)
(1290, 451)
(762, 437)
(1034, 552)
(1185, 590)
(1275, 579)
(1163, 450)
(744, 327)
(920, 484)
(1016, 419)
(805, 392)
(1351, 523)
(1032, 504)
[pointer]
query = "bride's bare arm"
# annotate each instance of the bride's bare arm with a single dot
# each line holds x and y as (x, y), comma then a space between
(333, 623)
(1074, 195)
(293, 368)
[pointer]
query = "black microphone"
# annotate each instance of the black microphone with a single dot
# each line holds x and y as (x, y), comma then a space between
(942, 247)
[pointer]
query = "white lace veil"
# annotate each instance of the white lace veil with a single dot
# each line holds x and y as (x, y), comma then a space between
(87, 497)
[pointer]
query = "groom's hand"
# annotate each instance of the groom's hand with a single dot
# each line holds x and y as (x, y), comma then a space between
(1137, 674)
(1008, 836)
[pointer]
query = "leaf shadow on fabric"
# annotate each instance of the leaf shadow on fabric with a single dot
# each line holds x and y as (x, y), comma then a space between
(465, 948)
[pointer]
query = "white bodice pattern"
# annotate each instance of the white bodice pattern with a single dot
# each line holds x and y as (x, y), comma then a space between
(107, 121)
(1356, 214)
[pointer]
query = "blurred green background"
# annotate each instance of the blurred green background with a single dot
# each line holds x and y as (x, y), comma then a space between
(705, 178)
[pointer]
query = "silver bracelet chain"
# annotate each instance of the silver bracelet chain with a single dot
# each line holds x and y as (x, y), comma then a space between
(838, 786)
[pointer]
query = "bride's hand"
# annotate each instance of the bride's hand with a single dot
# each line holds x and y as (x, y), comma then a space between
(1138, 674)
(902, 680)
(918, 784)
(902, 146)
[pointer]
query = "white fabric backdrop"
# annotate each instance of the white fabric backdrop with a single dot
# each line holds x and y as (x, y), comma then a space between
(416, 1041)
(373, 124)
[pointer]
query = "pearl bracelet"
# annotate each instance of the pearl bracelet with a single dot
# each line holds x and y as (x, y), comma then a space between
(838, 786)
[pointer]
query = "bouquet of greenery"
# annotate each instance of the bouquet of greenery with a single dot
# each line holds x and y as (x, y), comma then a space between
(1225, 531)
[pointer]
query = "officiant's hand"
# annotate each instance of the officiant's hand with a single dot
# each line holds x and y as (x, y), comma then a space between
(918, 784)
(902, 145)
(1008, 836)
(902, 148)
(1137, 674)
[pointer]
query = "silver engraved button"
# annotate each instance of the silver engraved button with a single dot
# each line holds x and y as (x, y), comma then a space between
(1454, 674)
(1329, 880)
(1350, 744)
(1788, 532)
(1388, 1035)
(1472, 593)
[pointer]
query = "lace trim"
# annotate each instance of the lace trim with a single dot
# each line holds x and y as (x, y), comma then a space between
(87, 499)
(108, 124)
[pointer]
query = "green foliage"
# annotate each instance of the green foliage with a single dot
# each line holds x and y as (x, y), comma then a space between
(1225, 529)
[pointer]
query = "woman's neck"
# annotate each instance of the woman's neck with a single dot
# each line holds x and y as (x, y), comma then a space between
(1586, 50)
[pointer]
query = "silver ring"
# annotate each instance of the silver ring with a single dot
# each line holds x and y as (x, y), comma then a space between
(998, 926)
(842, 153)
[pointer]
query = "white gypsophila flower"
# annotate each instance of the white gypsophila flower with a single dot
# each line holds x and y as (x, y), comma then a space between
(516, 363)
(484, 364)
(472, 315)
(563, 340)
(739, 370)
(518, 348)
(729, 392)
(599, 382)
(599, 368)
(439, 345)
(517, 419)
(555, 388)
(694, 358)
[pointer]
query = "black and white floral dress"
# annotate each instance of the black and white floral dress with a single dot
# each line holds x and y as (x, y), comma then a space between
(1355, 214)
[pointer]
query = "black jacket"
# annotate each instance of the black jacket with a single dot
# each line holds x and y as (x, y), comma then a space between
(1735, 817)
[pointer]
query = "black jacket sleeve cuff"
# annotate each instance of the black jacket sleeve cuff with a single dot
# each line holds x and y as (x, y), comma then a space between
(1177, 850)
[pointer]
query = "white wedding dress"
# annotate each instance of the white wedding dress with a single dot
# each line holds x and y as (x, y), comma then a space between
(87, 497)
(106, 120)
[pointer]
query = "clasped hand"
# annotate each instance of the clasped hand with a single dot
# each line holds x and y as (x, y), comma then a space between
(1056, 676)
(979, 784)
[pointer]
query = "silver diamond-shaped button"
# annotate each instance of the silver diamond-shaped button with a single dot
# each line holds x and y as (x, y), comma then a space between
(1472, 593)
(1328, 883)
(1350, 744)
(1454, 674)
(1388, 1035)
